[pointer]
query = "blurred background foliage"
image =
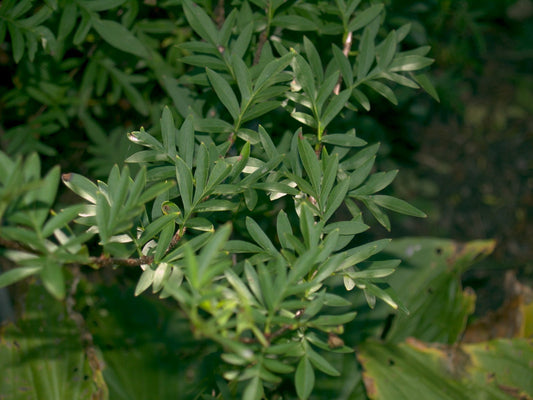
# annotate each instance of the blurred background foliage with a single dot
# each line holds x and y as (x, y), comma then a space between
(467, 161)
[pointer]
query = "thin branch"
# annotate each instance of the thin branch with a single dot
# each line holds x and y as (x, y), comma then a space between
(101, 261)
(262, 40)
(220, 16)
(345, 50)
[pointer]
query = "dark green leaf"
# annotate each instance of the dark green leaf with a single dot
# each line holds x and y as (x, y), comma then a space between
(185, 184)
(253, 390)
(410, 63)
(366, 55)
(321, 363)
(334, 107)
(426, 84)
(304, 378)
(310, 163)
(304, 75)
(377, 212)
(341, 139)
(201, 23)
(397, 205)
(259, 236)
(224, 93)
(344, 66)
(120, 37)
(53, 279)
(314, 59)
(386, 50)
(365, 17)
(61, 219)
(375, 183)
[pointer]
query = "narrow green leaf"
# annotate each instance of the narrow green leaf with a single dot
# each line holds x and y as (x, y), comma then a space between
(145, 281)
(310, 163)
(243, 78)
(410, 63)
(239, 46)
(304, 378)
(361, 253)
(80, 185)
(102, 5)
(304, 264)
(397, 205)
(304, 118)
(283, 227)
(211, 250)
(155, 227)
(102, 217)
(120, 37)
(201, 23)
(155, 190)
(67, 20)
(16, 274)
(321, 363)
(224, 93)
(375, 183)
(325, 91)
(294, 22)
(83, 28)
(53, 279)
(334, 107)
(200, 60)
(330, 166)
(386, 50)
(216, 205)
(344, 66)
(272, 70)
(314, 59)
(185, 184)
(17, 41)
(352, 227)
(185, 141)
(425, 83)
(361, 99)
(201, 173)
(168, 131)
(161, 275)
(277, 366)
(343, 139)
(253, 390)
(365, 17)
(61, 219)
(334, 320)
(377, 212)
(260, 109)
(212, 125)
(335, 198)
(259, 236)
(383, 90)
(366, 55)
(304, 76)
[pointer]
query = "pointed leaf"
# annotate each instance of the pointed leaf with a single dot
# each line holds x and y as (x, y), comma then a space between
(224, 93)
(304, 378)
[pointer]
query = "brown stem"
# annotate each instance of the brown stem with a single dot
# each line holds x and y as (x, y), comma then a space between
(262, 40)
(220, 16)
(101, 261)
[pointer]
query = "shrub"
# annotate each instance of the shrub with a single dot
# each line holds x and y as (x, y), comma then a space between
(243, 203)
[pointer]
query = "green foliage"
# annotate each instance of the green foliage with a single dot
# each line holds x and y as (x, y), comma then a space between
(244, 202)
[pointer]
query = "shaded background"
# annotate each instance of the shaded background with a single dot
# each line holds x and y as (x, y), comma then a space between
(467, 161)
